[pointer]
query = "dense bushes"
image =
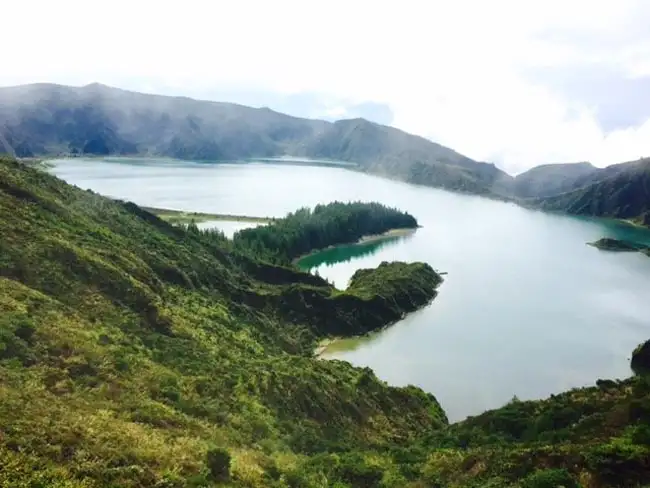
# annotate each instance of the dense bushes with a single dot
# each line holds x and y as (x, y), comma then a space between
(218, 461)
(641, 359)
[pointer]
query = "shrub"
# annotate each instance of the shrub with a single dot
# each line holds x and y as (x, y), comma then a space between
(218, 461)
(549, 478)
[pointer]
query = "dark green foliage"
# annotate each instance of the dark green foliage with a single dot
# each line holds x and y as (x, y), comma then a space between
(374, 299)
(218, 461)
(356, 471)
(549, 478)
(641, 359)
(306, 230)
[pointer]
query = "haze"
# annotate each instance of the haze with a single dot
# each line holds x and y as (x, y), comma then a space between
(515, 83)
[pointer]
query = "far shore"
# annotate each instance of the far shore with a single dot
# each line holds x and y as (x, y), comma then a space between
(634, 223)
(181, 216)
(389, 234)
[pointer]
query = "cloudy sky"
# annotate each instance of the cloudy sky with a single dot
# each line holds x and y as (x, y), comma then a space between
(517, 83)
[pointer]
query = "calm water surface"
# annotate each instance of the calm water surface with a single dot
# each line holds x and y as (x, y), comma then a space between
(526, 309)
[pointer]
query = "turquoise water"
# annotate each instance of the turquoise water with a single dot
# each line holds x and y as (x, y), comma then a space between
(526, 309)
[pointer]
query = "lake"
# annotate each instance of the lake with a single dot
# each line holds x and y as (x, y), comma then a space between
(526, 309)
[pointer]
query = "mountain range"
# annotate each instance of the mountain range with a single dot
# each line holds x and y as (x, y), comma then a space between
(47, 119)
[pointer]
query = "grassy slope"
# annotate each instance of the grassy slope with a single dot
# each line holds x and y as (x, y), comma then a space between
(129, 348)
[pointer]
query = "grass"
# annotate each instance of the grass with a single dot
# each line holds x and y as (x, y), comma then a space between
(130, 349)
(183, 217)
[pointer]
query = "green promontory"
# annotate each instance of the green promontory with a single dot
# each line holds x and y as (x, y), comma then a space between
(307, 230)
(374, 299)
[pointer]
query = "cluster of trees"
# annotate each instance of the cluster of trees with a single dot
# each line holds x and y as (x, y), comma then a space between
(306, 230)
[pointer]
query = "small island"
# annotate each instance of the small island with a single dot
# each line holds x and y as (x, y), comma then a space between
(617, 245)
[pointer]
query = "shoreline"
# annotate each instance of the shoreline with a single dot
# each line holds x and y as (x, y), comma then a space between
(634, 223)
(44, 162)
(324, 344)
(182, 216)
(390, 233)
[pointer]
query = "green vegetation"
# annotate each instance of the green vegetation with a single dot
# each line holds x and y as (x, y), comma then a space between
(619, 191)
(641, 359)
(609, 244)
(182, 217)
(346, 252)
(306, 230)
(136, 353)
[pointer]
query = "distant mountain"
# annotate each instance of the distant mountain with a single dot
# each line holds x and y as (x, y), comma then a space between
(551, 179)
(99, 120)
(46, 119)
(391, 152)
(619, 191)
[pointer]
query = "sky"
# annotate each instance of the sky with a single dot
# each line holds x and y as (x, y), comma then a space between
(517, 83)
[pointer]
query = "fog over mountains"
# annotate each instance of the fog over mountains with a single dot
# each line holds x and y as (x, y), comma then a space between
(48, 119)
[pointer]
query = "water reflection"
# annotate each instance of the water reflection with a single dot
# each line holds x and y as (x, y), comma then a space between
(348, 252)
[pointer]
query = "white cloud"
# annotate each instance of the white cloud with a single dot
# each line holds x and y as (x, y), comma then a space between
(451, 71)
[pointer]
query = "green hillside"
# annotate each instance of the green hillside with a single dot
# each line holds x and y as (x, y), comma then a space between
(135, 354)
(130, 348)
(620, 191)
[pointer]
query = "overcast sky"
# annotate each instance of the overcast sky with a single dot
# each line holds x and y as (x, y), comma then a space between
(517, 83)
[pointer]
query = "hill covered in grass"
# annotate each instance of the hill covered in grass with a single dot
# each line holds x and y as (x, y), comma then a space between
(620, 191)
(623, 194)
(132, 349)
(135, 353)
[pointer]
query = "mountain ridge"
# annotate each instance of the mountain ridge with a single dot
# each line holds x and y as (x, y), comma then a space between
(620, 191)
(101, 120)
